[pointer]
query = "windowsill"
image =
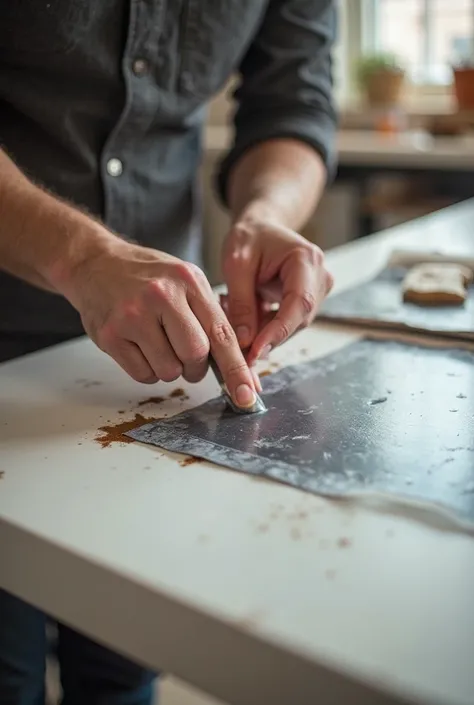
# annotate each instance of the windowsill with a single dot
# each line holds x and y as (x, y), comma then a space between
(418, 107)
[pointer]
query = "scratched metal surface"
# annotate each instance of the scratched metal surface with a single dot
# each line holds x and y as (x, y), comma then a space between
(375, 416)
(379, 302)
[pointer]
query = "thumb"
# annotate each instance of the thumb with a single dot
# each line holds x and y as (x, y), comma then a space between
(240, 271)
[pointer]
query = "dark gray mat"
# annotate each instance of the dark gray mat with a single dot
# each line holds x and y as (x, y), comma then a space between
(379, 302)
(375, 416)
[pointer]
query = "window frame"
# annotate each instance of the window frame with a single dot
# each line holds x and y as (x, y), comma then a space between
(361, 17)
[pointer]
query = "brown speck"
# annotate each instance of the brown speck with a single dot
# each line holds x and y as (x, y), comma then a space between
(147, 467)
(344, 542)
(330, 574)
(189, 461)
(79, 444)
(262, 528)
(115, 432)
(264, 373)
(150, 400)
(2, 474)
(203, 538)
(178, 392)
(186, 397)
(92, 384)
(275, 365)
(295, 534)
(122, 411)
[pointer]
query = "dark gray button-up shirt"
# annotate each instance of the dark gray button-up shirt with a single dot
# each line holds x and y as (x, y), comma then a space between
(103, 101)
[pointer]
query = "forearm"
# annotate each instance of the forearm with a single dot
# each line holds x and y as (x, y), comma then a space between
(279, 179)
(42, 239)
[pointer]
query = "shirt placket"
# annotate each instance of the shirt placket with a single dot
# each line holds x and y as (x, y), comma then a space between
(139, 64)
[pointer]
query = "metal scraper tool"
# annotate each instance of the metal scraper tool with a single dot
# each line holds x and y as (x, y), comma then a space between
(257, 408)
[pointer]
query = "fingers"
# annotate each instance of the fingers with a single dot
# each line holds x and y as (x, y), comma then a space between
(156, 348)
(225, 349)
(305, 282)
(240, 266)
(186, 338)
(131, 359)
(189, 341)
(256, 380)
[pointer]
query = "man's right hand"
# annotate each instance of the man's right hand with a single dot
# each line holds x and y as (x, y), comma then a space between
(157, 317)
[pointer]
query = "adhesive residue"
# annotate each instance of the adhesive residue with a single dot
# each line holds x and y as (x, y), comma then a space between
(151, 400)
(179, 392)
(189, 461)
(115, 432)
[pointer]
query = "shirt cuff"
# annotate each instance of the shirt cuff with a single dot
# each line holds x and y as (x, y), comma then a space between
(318, 131)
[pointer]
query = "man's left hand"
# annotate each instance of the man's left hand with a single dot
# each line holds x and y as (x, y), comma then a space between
(265, 263)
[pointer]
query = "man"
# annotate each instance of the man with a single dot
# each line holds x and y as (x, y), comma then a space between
(101, 108)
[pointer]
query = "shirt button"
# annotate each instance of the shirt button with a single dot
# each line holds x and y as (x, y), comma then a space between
(187, 81)
(114, 167)
(140, 67)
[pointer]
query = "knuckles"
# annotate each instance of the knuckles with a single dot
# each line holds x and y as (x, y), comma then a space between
(222, 334)
(171, 373)
(197, 353)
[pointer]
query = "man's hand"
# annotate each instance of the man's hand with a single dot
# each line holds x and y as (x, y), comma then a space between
(264, 263)
(157, 317)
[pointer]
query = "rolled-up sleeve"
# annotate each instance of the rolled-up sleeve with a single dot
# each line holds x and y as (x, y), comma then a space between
(286, 82)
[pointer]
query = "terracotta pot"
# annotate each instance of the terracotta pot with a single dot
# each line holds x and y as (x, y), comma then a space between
(384, 88)
(464, 88)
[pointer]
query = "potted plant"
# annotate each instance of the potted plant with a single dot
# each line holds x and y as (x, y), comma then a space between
(464, 84)
(381, 77)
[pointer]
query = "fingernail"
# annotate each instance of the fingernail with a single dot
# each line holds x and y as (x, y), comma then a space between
(245, 397)
(265, 352)
(243, 335)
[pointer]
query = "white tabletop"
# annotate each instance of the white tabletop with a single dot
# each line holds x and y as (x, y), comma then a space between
(240, 586)
(367, 148)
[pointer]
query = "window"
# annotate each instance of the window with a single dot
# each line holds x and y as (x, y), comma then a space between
(427, 35)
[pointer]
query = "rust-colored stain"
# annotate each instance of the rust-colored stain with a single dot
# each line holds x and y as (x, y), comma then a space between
(275, 365)
(344, 542)
(114, 432)
(150, 400)
(178, 392)
(189, 461)
(264, 373)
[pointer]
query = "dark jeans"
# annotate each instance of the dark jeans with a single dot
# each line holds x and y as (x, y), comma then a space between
(90, 674)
